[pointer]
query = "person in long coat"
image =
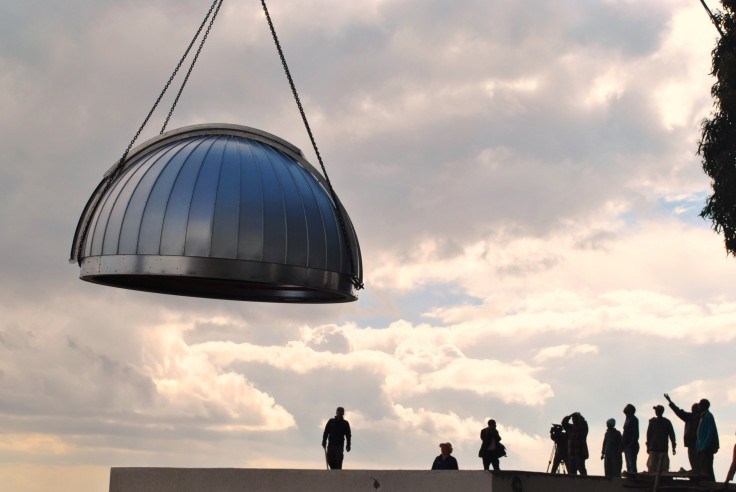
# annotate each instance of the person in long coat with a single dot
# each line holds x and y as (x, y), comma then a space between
(577, 443)
(611, 450)
(491, 447)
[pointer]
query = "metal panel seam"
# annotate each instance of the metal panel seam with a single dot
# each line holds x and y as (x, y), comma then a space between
(301, 200)
(180, 147)
(117, 186)
(171, 190)
(217, 187)
(283, 205)
(160, 155)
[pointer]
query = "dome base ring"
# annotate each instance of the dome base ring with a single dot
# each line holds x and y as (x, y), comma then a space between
(218, 278)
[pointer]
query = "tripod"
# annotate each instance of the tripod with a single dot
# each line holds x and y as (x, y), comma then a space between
(557, 460)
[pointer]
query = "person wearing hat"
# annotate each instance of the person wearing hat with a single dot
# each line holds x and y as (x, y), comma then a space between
(659, 430)
(611, 450)
(444, 461)
(630, 437)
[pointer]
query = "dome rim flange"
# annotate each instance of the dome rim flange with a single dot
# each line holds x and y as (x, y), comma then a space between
(338, 286)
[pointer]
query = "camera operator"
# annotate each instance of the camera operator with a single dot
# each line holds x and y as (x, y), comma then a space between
(577, 443)
(559, 436)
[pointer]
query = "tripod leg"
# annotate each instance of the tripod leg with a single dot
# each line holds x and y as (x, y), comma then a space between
(551, 457)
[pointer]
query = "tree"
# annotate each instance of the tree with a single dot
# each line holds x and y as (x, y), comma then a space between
(718, 139)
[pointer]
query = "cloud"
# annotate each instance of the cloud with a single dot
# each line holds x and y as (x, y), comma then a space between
(190, 386)
(326, 338)
(34, 444)
(564, 351)
(396, 354)
(711, 389)
(152, 376)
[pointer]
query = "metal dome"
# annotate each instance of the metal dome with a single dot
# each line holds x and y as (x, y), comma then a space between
(219, 211)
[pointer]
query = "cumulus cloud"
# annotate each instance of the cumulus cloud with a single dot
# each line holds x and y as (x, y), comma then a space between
(160, 381)
(408, 367)
(190, 386)
(711, 389)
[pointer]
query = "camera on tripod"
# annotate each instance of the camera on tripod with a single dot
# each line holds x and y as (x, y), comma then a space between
(558, 457)
(557, 434)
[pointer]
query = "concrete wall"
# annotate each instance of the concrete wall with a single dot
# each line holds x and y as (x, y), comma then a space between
(273, 480)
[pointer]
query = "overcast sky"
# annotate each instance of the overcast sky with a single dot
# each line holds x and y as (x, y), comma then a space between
(523, 178)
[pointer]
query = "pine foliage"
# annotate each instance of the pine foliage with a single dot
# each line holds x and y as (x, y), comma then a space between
(718, 139)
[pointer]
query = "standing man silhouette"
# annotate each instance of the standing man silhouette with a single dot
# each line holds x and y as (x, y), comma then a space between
(490, 448)
(707, 442)
(630, 437)
(577, 443)
(337, 430)
(692, 420)
(658, 432)
(611, 450)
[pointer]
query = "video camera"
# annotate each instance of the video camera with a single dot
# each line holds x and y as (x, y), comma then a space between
(557, 434)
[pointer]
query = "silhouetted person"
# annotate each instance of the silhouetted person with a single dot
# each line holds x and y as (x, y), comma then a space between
(338, 431)
(707, 442)
(490, 448)
(577, 443)
(691, 419)
(659, 430)
(732, 469)
(611, 450)
(444, 461)
(630, 438)
(559, 436)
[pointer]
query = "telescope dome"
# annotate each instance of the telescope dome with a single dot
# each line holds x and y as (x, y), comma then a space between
(219, 211)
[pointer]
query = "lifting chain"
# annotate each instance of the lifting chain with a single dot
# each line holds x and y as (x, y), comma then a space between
(355, 276)
(111, 175)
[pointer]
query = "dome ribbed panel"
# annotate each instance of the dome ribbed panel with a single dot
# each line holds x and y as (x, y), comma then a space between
(226, 222)
(313, 217)
(131, 225)
(219, 197)
(250, 224)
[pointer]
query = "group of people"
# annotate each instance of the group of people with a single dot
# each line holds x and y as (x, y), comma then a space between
(337, 433)
(571, 448)
(490, 450)
(700, 439)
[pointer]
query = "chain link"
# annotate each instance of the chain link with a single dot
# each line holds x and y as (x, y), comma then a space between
(194, 60)
(115, 171)
(355, 278)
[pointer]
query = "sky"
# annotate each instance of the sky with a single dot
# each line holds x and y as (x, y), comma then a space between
(523, 179)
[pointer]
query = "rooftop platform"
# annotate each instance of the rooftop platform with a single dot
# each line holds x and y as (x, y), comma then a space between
(276, 480)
